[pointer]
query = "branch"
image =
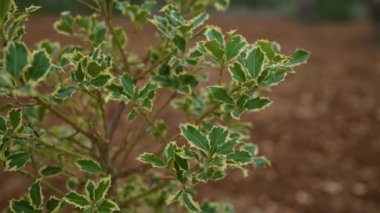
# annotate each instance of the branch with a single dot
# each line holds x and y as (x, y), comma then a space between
(221, 72)
(107, 18)
(115, 120)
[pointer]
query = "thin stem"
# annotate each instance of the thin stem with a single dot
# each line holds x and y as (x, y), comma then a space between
(142, 74)
(103, 112)
(64, 151)
(150, 121)
(110, 27)
(83, 2)
(164, 105)
(221, 72)
(207, 113)
(134, 142)
(66, 118)
(47, 184)
(115, 120)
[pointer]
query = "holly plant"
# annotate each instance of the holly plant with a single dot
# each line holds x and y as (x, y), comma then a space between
(85, 120)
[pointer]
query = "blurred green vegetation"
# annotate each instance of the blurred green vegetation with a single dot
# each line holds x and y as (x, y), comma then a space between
(324, 9)
(339, 9)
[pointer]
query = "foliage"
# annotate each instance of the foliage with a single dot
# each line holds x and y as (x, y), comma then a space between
(63, 105)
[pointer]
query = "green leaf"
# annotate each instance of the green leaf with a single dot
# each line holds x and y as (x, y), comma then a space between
(240, 157)
(64, 93)
(108, 206)
(234, 46)
(15, 116)
(39, 67)
(214, 49)
(180, 43)
(72, 183)
(181, 175)
(53, 205)
(221, 5)
(183, 163)
(151, 159)
(98, 35)
(251, 148)
(16, 161)
(220, 93)
(89, 166)
(78, 74)
(137, 14)
(128, 85)
(226, 148)
(77, 200)
(237, 72)
(6, 81)
(268, 48)
(272, 76)
(21, 206)
(32, 8)
(49, 171)
(65, 24)
(100, 80)
(3, 125)
(90, 189)
(189, 203)
(4, 8)
(169, 152)
(213, 207)
(199, 19)
(257, 103)
(116, 92)
(299, 57)
(254, 62)
(214, 33)
(195, 137)
(133, 115)
(158, 129)
(102, 188)
(94, 68)
(260, 162)
(120, 38)
(35, 194)
(218, 136)
(16, 59)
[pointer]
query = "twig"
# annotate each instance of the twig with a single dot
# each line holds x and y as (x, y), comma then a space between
(83, 2)
(221, 72)
(142, 74)
(47, 184)
(134, 143)
(65, 118)
(108, 21)
(165, 104)
(115, 120)
(149, 120)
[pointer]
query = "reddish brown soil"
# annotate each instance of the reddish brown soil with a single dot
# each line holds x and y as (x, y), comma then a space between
(322, 134)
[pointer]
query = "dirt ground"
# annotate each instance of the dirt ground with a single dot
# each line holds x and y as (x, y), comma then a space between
(322, 134)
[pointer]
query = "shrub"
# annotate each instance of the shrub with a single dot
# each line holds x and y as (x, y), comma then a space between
(63, 105)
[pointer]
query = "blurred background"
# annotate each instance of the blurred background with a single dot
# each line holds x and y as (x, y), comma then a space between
(323, 132)
(304, 10)
(321, 9)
